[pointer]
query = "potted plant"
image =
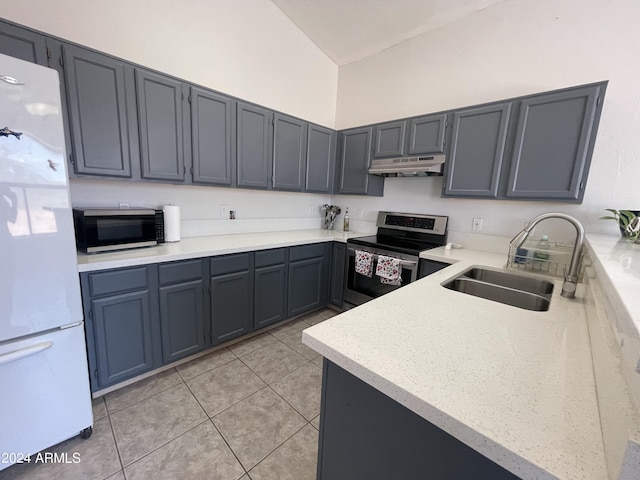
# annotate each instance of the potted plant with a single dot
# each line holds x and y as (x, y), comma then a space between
(628, 221)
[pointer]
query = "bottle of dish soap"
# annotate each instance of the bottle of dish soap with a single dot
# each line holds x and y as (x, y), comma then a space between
(541, 252)
(345, 226)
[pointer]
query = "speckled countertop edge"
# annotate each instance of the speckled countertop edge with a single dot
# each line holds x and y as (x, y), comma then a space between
(196, 247)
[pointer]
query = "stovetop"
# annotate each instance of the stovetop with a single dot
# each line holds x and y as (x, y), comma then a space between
(406, 233)
(395, 244)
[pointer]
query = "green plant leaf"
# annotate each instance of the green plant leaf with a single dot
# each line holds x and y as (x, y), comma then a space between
(609, 218)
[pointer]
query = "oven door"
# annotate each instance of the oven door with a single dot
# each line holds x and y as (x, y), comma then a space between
(359, 289)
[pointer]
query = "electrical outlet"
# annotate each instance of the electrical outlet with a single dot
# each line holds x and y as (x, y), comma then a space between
(224, 211)
(477, 224)
(359, 214)
(232, 214)
(124, 205)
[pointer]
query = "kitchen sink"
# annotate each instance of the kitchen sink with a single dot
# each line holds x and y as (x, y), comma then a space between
(516, 290)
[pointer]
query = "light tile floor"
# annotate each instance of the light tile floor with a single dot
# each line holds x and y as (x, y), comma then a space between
(246, 412)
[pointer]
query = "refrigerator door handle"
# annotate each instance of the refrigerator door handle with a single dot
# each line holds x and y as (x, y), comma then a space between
(24, 352)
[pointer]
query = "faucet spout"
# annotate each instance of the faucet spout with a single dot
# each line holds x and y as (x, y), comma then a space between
(570, 277)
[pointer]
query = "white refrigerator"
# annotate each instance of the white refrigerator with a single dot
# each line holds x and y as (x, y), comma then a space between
(44, 384)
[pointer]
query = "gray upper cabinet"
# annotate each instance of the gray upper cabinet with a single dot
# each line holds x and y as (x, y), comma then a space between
(99, 114)
(551, 147)
(253, 146)
(477, 151)
(289, 152)
(321, 154)
(355, 160)
(160, 123)
(23, 44)
(390, 139)
(212, 135)
(427, 134)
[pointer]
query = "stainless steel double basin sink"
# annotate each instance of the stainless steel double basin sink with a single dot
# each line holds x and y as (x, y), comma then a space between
(522, 291)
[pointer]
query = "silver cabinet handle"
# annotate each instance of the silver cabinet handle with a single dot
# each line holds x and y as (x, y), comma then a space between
(11, 80)
(24, 352)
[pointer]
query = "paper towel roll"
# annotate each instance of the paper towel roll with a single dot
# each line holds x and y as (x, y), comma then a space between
(171, 223)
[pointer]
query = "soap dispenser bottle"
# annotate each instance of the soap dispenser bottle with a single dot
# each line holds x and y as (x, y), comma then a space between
(345, 226)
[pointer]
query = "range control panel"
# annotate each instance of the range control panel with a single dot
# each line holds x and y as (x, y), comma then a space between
(434, 224)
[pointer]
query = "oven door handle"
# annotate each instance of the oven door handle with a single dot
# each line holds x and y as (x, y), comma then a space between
(407, 263)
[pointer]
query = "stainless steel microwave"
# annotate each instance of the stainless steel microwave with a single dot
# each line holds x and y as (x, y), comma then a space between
(109, 229)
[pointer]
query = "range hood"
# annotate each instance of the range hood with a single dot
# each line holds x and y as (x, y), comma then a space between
(408, 166)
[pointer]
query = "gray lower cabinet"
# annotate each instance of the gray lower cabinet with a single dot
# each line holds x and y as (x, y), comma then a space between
(321, 155)
(289, 153)
(231, 296)
(354, 163)
(366, 435)
(390, 139)
(160, 126)
(22, 43)
(212, 137)
(182, 313)
(338, 259)
(308, 277)
(427, 134)
(553, 143)
(253, 147)
(477, 151)
(123, 334)
(270, 287)
(101, 112)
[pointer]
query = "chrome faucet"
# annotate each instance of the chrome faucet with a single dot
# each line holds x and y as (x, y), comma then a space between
(570, 277)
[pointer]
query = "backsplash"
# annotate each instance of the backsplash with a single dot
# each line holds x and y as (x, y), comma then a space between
(202, 208)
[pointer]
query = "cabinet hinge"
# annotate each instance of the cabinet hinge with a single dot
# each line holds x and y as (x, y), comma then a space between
(48, 53)
(95, 374)
(61, 61)
(189, 98)
(191, 170)
(71, 159)
(598, 100)
(581, 185)
(91, 314)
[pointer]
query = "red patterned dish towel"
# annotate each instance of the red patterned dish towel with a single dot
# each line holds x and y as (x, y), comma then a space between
(364, 263)
(388, 270)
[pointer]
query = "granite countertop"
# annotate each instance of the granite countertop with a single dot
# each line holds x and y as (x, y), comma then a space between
(197, 247)
(515, 385)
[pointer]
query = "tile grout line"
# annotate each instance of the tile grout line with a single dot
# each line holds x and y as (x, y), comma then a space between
(115, 442)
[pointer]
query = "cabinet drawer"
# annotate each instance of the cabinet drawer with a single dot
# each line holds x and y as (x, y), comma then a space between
(117, 281)
(236, 262)
(303, 252)
(180, 271)
(266, 258)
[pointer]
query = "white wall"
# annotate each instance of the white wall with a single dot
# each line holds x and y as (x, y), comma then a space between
(514, 48)
(256, 211)
(246, 48)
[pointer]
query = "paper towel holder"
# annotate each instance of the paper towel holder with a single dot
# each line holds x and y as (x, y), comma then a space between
(171, 223)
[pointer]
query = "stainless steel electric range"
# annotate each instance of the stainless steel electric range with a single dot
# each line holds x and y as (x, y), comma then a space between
(400, 235)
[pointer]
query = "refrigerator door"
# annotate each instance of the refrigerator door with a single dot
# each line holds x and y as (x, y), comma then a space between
(45, 391)
(39, 286)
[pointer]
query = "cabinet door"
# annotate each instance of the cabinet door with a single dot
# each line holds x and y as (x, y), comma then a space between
(181, 320)
(355, 160)
(231, 306)
(123, 336)
(98, 111)
(289, 148)
(338, 257)
(160, 124)
(252, 148)
(477, 151)
(270, 295)
(426, 134)
(211, 137)
(551, 148)
(305, 285)
(390, 139)
(23, 44)
(320, 159)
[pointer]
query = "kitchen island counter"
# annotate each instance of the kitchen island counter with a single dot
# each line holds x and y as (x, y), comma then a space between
(197, 247)
(515, 385)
